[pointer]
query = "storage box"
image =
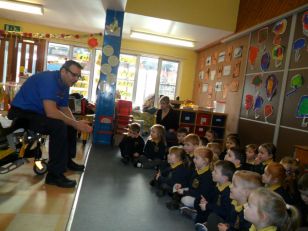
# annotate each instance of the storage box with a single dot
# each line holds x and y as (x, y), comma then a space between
(203, 119)
(219, 120)
(188, 117)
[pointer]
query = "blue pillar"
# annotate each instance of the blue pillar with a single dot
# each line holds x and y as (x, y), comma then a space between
(105, 93)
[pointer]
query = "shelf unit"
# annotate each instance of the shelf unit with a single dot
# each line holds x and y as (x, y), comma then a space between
(199, 122)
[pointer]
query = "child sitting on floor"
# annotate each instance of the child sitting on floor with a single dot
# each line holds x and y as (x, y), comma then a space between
(219, 211)
(132, 144)
(154, 152)
(243, 182)
(180, 135)
(266, 155)
(267, 211)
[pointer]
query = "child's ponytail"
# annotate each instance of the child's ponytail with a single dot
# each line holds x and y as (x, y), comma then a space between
(292, 221)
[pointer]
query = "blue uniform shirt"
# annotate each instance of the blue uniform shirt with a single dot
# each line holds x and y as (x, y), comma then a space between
(42, 86)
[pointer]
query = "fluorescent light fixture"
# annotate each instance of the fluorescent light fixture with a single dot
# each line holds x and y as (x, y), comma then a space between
(161, 39)
(22, 7)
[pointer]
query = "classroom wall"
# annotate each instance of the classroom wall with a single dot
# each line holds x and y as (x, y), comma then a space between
(187, 57)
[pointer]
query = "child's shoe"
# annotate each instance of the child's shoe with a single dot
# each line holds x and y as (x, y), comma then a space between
(200, 227)
(188, 212)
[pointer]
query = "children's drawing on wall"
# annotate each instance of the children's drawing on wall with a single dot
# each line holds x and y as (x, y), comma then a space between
(221, 57)
(205, 87)
(236, 69)
(297, 46)
(296, 82)
(253, 54)
(225, 92)
(271, 85)
(257, 106)
(212, 74)
(201, 75)
(248, 103)
(237, 53)
(265, 60)
(227, 70)
(305, 23)
(257, 82)
(277, 55)
(214, 58)
(278, 29)
(302, 110)
(218, 86)
(208, 61)
(229, 54)
(234, 85)
(267, 111)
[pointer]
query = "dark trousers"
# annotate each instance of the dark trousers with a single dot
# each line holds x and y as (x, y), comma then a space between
(62, 138)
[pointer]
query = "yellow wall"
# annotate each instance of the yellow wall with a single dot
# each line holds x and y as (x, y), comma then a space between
(219, 14)
(186, 57)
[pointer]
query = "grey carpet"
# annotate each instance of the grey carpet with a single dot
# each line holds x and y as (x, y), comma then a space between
(118, 197)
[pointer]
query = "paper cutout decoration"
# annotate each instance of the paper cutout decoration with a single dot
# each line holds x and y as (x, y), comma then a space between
(236, 69)
(237, 53)
(296, 82)
(297, 45)
(209, 91)
(225, 91)
(271, 85)
(302, 110)
(248, 103)
(280, 27)
(277, 54)
(227, 70)
(267, 111)
(265, 61)
(277, 40)
(256, 81)
(253, 54)
(263, 35)
(208, 61)
(219, 72)
(258, 105)
(305, 23)
(207, 74)
(221, 57)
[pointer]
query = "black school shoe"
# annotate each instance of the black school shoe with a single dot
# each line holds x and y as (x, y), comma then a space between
(59, 180)
(71, 165)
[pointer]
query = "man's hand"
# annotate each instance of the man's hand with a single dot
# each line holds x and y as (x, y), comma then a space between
(83, 126)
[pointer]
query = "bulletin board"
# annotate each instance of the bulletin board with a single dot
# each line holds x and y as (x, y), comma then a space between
(264, 75)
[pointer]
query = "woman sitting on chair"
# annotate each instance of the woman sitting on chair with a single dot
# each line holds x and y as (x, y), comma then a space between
(169, 118)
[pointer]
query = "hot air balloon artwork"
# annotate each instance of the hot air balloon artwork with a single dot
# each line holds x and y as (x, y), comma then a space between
(297, 45)
(248, 103)
(271, 85)
(302, 110)
(296, 82)
(267, 111)
(258, 105)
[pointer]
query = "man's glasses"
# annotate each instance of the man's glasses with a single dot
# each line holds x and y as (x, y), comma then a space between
(76, 75)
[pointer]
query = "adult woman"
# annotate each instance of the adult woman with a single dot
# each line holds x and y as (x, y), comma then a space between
(169, 118)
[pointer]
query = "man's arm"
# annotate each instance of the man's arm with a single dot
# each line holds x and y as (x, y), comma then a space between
(65, 115)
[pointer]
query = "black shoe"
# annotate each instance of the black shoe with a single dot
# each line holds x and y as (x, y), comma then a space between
(160, 193)
(71, 165)
(173, 205)
(125, 161)
(59, 180)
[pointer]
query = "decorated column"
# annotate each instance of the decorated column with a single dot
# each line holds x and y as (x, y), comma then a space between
(105, 92)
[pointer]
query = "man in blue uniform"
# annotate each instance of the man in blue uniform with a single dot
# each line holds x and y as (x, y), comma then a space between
(41, 105)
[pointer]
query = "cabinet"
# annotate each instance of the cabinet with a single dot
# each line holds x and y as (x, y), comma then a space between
(199, 122)
(301, 153)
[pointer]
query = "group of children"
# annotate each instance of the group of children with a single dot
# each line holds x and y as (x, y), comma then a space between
(222, 190)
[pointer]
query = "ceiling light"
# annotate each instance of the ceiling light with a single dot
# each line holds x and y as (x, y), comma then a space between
(161, 39)
(22, 7)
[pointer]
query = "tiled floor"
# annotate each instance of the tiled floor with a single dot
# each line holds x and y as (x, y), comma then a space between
(26, 203)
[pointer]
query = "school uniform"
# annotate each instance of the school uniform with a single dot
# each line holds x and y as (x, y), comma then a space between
(277, 188)
(260, 167)
(176, 174)
(239, 223)
(129, 146)
(153, 154)
(268, 228)
(221, 207)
